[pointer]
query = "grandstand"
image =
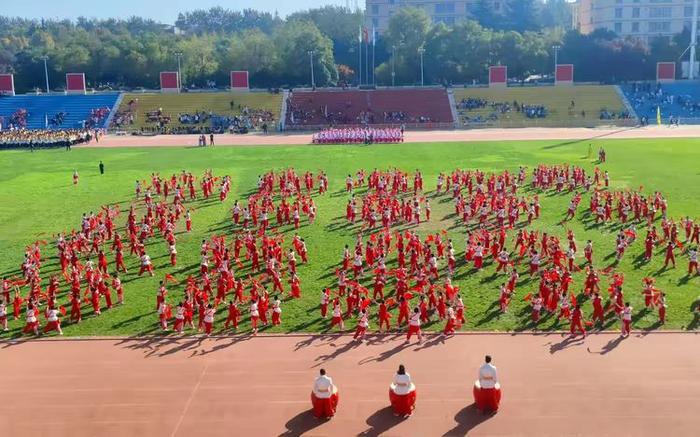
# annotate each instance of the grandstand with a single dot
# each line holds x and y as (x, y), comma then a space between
(677, 100)
(172, 106)
(57, 112)
(549, 106)
(417, 108)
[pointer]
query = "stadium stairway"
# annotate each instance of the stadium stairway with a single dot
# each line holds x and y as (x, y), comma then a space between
(40, 108)
(626, 101)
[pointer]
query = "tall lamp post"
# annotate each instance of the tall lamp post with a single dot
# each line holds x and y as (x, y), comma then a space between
(311, 63)
(46, 73)
(421, 51)
(393, 65)
(179, 70)
(693, 41)
(556, 59)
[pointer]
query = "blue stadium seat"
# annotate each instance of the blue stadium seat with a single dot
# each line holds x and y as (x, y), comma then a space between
(675, 99)
(76, 108)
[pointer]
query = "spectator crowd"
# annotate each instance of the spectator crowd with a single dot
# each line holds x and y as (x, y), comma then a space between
(23, 138)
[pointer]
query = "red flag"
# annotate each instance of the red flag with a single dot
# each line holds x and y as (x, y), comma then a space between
(390, 302)
(527, 297)
(573, 300)
(408, 296)
(170, 278)
(62, 309)
(588, 324)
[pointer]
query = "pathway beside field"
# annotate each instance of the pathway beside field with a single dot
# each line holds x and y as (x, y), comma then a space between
(647, 385)
(415, 136)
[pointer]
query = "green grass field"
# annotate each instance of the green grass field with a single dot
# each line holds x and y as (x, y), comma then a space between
(588, 98)
(38, 200)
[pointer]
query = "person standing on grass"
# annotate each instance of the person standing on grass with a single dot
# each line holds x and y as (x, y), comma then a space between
(53, 322)
(32, 324)
(3, 315)
(626, 320)
(102, 168)
(362, 326)
(414, 326)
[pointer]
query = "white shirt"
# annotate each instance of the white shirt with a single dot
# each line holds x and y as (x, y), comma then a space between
(52, 315)
(402, 384)
(488, 376)
(209, 315)
(31, 316)
(414, 319)
(323, 387)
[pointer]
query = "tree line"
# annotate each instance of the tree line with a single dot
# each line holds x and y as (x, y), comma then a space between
(131, 53)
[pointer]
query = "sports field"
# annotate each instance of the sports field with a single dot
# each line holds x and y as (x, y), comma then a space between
(39, 200)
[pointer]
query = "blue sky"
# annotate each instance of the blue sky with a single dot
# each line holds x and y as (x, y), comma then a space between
(164, 11)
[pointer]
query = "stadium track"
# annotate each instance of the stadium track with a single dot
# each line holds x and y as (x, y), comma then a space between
(563, 134)
(646, 385)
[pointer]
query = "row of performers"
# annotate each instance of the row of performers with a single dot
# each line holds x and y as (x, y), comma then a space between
(402, 392)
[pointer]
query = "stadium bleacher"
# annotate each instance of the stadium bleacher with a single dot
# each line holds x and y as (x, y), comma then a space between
(229, 104)
(677, 100)
(69, 110)
(550, 106)
(410, 107)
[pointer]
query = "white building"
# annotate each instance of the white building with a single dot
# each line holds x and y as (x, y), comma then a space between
(642, 19)
(379, 12)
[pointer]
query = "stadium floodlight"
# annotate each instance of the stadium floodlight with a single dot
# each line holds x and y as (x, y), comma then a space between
(46, 73)
(693, 41)
(421, 52)
(311, 63)
(556, 49)
(393, 65)
(178, 55)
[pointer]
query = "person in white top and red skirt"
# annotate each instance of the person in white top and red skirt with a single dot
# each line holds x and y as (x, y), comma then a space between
(402, 393)
(487, 390)
(324, 396)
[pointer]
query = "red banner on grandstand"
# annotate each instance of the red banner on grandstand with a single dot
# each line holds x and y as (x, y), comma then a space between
(7, 85)
(169, 82)
(564, 74)
(75, 83)
(498, 76)
(665, 71)
(239, 80)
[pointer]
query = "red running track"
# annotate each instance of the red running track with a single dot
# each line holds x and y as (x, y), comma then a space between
(647, 385)
(550, 134)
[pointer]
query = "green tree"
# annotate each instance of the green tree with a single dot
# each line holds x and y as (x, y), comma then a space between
(294, 40)
(407, 32)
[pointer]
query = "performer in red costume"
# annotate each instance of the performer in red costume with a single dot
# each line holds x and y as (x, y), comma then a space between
(324, 396)
(402, 393)
(487, 390)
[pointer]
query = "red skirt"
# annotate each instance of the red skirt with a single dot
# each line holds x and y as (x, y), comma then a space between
(403, 404)
(325, 408)
(487, 399)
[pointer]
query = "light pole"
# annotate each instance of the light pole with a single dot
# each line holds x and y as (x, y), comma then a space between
(46, 73)
(311, 62)
(393, 65)
(179, 70)
(556, 59)
(693, 41)
(421, 51)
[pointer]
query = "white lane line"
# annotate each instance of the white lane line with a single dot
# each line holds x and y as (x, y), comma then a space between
(189, 400)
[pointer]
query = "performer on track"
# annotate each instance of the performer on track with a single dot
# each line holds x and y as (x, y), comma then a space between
(402, 393)
(324, 396)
